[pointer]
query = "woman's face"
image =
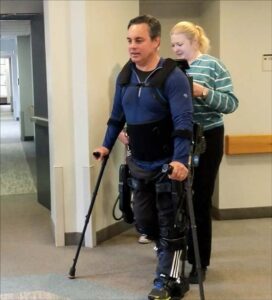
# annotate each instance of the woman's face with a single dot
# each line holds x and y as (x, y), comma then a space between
(183, 47)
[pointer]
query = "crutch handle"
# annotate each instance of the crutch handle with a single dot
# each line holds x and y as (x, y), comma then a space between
(168, 169)
(96, 154)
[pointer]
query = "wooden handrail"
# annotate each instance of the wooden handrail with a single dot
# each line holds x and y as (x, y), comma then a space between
(248, 144)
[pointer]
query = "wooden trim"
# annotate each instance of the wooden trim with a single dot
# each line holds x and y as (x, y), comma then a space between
(248, 144)
(242, 213)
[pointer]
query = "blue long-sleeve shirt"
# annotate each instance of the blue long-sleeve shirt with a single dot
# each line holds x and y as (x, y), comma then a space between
(137, 105)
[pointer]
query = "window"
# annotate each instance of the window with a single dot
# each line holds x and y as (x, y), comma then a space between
(5, 80)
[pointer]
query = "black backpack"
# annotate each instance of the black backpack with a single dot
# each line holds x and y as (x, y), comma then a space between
(158, 80)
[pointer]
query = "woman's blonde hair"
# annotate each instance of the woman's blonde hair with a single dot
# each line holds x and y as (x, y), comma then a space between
(193, 32)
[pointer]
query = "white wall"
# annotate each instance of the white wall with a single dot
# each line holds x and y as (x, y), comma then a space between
(25, 86)
(246, 34)
(78, 16)
(169, 13)
(60, 116)
(210, 21)
(85, 48)
(107, 53)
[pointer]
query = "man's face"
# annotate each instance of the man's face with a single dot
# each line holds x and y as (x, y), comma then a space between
(141, 47)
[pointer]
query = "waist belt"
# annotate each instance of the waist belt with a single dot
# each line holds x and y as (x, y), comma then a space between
(151, 141)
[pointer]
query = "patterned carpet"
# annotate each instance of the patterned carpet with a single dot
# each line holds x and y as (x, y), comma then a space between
(59, 287)
(15, 175)
(35, 295)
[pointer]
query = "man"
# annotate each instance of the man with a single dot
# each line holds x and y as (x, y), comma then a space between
(159, 133)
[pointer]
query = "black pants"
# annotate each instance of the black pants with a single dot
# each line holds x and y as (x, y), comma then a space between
(203, 187)
(154, 215)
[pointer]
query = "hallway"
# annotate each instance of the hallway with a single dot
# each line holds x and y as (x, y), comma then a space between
(32, 268)
(17, 157)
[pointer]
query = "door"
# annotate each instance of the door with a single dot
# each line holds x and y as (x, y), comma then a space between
(40, 110)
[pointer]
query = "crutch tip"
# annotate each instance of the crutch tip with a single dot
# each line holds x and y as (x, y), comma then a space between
(72, 273)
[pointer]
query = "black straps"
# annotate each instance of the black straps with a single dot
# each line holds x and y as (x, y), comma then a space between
(157, 80)
(116, 123)
(125, 74)
(161, 74)
(184, 133)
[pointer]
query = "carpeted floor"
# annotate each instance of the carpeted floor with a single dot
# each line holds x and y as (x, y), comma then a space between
(35, 295)
(15, 175)
(120, 268)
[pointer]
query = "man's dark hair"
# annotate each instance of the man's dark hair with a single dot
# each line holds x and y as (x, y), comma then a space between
(153, 24)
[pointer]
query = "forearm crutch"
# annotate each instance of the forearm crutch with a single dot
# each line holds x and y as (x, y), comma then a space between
(190, 210)
(189, 200)
(87, 218)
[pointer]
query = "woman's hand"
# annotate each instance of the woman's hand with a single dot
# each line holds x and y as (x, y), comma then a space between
(199, 90)
(123, 137)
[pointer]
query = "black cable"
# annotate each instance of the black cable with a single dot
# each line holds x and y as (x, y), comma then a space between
(114, 208)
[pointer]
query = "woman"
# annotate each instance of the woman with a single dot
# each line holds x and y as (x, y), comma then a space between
(212, 97)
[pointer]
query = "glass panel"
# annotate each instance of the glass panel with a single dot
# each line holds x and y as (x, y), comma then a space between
(4, 79)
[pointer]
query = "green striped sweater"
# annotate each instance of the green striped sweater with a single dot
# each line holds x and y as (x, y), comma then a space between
(211, 73)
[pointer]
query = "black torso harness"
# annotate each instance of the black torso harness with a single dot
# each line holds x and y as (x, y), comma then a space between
(152, 141)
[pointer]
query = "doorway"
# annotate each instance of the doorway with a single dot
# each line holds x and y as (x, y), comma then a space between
(5, 81)
(33, 115)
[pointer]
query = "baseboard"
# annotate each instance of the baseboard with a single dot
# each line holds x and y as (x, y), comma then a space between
(28, 138)
(111, 231)
(73, 238)
(242, 213)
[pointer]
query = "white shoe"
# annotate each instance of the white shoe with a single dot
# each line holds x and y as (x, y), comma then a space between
(143, 239)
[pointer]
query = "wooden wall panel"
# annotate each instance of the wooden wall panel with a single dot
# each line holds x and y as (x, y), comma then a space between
(248, 144)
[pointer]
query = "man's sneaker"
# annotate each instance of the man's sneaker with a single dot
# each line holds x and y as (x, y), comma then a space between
(159, 294)
(193, 276)
(143, 239)
(168, 289)
(160, 290)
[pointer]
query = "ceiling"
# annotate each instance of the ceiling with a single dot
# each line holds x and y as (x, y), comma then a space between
(21, 6)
